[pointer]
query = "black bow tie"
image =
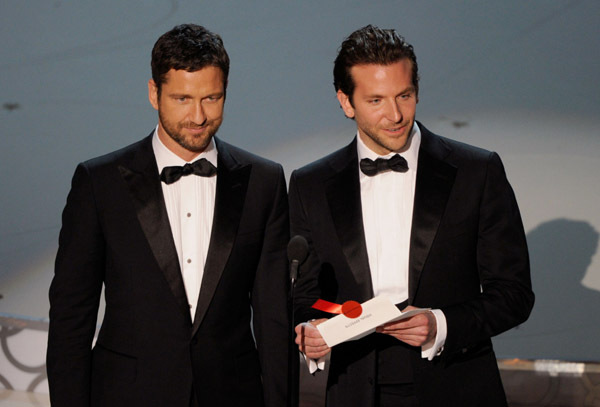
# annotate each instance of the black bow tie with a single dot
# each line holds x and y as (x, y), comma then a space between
(201, 167)
(395, 163)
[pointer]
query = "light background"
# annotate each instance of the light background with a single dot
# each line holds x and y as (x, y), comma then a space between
(520, 78)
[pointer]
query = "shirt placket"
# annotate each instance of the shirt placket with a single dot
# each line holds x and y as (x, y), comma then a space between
(189, 239)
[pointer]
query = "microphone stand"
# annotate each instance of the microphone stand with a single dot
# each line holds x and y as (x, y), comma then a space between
(293, 357)
(297, 252)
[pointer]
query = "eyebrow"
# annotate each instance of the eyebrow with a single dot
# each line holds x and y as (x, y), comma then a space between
(408, 89)
(187, 95)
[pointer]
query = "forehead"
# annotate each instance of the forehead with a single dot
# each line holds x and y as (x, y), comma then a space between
(382, 78)
(209, 77)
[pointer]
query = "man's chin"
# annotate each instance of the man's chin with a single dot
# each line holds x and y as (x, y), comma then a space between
(198, 146)
(396, 142)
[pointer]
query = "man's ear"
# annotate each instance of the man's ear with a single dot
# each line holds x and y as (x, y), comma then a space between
(153, 93)
(345, 104)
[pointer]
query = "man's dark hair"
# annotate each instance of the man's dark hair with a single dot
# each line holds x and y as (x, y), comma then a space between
(371, 45)
(188, 47)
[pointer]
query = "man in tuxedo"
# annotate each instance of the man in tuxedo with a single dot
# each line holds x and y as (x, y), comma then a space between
(188, 235)
(427, 222)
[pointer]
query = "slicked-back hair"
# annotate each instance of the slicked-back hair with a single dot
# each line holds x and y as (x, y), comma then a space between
(188, 47)
(371, 45)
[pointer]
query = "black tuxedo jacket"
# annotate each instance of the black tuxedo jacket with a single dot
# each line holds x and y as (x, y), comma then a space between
(468, 257)
(116, 233)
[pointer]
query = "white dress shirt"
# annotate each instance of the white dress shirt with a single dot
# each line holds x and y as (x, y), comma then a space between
(190, 205)
(387, 206)
(387, 209)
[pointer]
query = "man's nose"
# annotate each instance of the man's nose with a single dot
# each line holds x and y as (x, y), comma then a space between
(394, 112)
(198, 116)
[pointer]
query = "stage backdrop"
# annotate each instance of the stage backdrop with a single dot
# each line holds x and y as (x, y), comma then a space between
(520, 78)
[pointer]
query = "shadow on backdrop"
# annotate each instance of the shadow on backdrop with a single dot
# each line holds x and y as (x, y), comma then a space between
(565, 321)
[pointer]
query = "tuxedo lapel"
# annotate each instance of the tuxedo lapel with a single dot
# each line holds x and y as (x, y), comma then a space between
(343, 196)
(435, 178)
(143, 182)
(232, 184)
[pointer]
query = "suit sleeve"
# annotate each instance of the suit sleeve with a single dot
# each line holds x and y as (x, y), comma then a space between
(75, 295)
(506, 298)
(269, 299)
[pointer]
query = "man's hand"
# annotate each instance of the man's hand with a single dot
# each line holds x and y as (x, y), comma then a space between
(310, 341)
(415, 331)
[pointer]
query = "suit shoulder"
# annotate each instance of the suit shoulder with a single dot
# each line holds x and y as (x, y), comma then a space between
(119, 155)
(454, 150)
(245, 157)
(327, 165)
(462, 148)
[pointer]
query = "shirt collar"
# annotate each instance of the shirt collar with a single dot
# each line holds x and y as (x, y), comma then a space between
(411, 155)
(167, 158)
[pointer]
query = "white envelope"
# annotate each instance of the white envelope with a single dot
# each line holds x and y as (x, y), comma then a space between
(375, 312)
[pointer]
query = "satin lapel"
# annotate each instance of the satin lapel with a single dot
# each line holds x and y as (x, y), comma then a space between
(232, 184)
(435, 178)
(343, 196)
(143, 182)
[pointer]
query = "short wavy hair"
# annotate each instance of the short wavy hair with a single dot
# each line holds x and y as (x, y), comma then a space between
(371, 45)
(188, 47)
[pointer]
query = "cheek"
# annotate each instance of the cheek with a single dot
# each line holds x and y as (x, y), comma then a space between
(170, 112)
(370, 119)
(410, 110)
(180, 114)
(215, 112)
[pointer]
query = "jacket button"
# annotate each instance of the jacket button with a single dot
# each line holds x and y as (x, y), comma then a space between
(370, 380)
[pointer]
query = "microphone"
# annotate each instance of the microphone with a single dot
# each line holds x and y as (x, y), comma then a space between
(297, 252)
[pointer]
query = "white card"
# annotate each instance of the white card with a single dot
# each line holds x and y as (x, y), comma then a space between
(375, 312)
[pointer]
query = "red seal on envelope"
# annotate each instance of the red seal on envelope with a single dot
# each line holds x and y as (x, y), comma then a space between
(351, 309)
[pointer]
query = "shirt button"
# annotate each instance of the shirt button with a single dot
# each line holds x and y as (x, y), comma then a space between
(189, 215)
(189, 261)
(190, 306)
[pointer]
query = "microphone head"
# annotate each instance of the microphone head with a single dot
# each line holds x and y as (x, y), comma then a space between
(297, 249)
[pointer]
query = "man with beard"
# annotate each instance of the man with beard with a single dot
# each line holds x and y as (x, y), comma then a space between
(188, 234)
(420, 219)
